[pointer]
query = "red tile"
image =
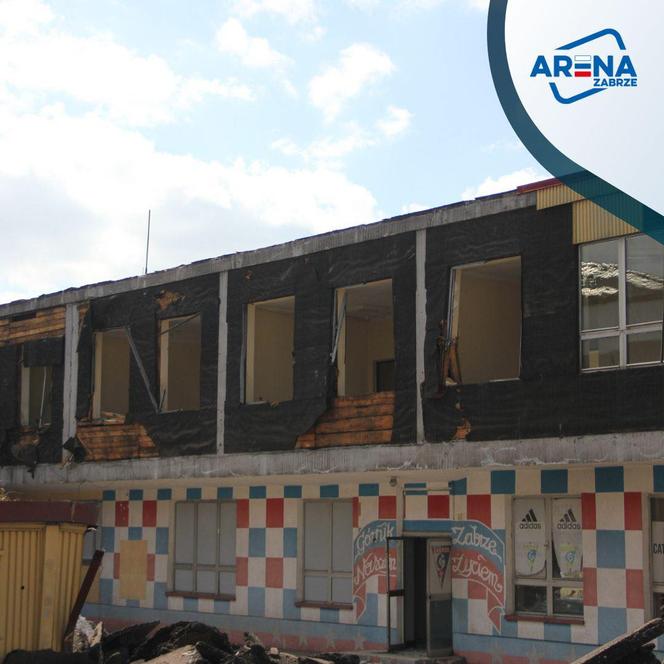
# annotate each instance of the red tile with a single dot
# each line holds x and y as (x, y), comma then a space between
(438, 507)
(476, 590)
(116, 565)
(633, 511)
(356, 512)
(291, 642)
(274, 572)
(588, 512)
(122, 513)
(317, 643)
(149, 513)
(242, 507)
(590, 586)
(479, 508)
(242, 571)
(275, 513)
(343, 644)
(150, 566)
(387, 507)
(477, 657)
(512, 659)
(634, 588)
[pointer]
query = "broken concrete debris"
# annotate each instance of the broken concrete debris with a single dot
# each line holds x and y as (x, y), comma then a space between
(179, 643)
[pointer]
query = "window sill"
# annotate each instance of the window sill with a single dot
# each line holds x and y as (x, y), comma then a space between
(186, 595)
(307, 604)
(549, 620)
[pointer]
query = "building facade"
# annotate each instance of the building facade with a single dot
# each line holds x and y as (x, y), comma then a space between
(449, 423)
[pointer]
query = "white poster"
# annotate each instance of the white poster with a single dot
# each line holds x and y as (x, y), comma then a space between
(530, 537)
(567, 536)
(658, 551)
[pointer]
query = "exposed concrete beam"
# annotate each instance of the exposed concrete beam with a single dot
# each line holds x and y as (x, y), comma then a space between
(222, 355)
(420, 326)
(70, 373)
(608, 448)
(402, 224)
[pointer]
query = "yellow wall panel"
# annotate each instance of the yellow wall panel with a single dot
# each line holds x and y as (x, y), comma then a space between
(133, 568)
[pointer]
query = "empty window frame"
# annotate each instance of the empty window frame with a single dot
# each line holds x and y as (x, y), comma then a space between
(328, 552)
(111, 374)
(364, 338)
(548, 556)
(621, 302)
(180, 363)
(204, 555)
(36, 396)
(485, 319)
(270, 330)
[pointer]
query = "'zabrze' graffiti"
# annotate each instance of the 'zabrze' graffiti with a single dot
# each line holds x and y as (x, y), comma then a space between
(369, 559)
(478, 555)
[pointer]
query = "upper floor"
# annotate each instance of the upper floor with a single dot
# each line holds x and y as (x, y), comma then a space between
(524, 315)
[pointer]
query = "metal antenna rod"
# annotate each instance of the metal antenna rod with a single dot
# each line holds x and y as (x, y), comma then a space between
(147, 245)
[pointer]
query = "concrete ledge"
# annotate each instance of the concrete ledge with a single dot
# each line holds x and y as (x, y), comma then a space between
(611, 448)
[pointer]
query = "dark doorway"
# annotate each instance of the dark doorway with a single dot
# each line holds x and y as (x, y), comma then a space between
(415, 593)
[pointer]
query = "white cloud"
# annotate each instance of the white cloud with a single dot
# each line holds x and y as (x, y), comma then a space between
(359, 66)
(503, 183)
(254, 52)
(413, 207)
(106, 76)
(412, 6)
(293, 11)
(396, 121)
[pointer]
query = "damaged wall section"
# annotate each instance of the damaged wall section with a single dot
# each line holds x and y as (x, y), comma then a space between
(312, 280)
(551, 397)
(142, 313)
(31, 385)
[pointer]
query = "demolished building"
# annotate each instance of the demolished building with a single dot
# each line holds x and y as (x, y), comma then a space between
(441, 430)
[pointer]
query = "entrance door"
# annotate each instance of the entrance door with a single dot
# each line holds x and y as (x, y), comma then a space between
(439, 597)
(395, 550)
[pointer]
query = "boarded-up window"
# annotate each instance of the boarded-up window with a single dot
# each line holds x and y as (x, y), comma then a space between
(205, 547)
(364, 338)
(36, 396)
(270, 328)
(180, 363)
(328, 547)
(485, 319)
(111, 393)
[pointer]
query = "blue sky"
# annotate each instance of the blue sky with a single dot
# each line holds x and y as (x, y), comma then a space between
(240, 123)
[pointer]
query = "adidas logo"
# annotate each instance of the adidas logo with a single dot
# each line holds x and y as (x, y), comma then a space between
(530, 521)
(568, 521)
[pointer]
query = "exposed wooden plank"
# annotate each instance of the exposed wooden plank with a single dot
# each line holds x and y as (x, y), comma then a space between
(356, 424)
(111, 442)
(364, 400)
(347, 412)
(353, 438)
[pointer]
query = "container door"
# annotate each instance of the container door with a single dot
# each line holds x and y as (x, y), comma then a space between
(439, 597)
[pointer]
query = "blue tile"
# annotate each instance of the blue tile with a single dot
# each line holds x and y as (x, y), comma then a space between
(135, 533)
(509, 628)
(222, 606)
(562, 633)
(108, 495)
(370, 615)
(133, 603)
(609, 479)
(108, 539)
(135, 494)
(611, 623)
(290, 542)
(194, 494)
(369, 489)
(290, 611)
(256, 601)
(161, 540)
(164, 494)
(459, 487)
(257, 492)
(190, 604)
(225, 493)
(293, 491)
(658, 478)
(329, 615)
(554, 481)
(460, 615)
(611, 549)
(257, 542)
(503, 481)
(160, 599)
(329, 491)
(415, 485)
(106, 591)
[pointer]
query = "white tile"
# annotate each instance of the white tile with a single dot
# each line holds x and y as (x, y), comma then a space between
(586, 633)
(528, 482)
(635, 618)
(241, 491)
(310, 491)
(478, 619)
(310, 613)
(291, 511)
(479, 481)
(530, 630)
(382, 610)
(639, 478)
(150, 536)
(206, 605)
(161, 568)
(175, 603)
(589, 538)
(459, 588)
(240, 606)
(275, 491)
(416, 508)
(242, 542)
(108, 513)
(611, 586)
(274, 602)
(164, 513)
(459, 507)
(257, 512)
(274, 542)
(634, 548)
(348, 490)
(580, 480)
(256, 574)
(610, 511)
(368, 510)
(208, 492)
(499, 506)
(290, 573)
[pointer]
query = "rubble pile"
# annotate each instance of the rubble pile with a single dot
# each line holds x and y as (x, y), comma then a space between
(179, 643)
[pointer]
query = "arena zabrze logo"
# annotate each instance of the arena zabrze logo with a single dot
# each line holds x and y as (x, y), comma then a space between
(590, 70)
